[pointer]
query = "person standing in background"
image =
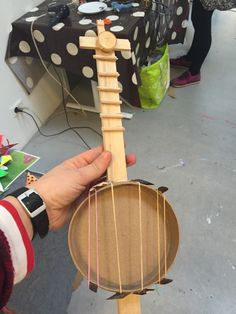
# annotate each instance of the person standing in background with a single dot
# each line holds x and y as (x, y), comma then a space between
(193, 60)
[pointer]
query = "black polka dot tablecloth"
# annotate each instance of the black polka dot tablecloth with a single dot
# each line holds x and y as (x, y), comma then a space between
(145, 27)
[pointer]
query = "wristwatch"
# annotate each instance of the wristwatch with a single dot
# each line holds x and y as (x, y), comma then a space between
(35, 208)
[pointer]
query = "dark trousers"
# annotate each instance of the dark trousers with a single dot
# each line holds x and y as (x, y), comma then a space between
(201, 44)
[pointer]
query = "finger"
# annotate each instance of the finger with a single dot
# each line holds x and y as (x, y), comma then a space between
(130, 160)
(95, 169)
(85, 158)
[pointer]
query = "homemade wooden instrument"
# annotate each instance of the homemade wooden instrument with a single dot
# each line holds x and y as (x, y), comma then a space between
(124, 237)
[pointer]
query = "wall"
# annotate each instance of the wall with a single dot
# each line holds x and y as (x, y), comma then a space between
(43, 100)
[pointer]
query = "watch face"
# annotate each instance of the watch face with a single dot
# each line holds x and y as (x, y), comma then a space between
(32, 202)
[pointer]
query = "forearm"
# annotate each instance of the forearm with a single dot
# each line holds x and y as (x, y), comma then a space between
(23, 215)
(16, 251)
(18, 230)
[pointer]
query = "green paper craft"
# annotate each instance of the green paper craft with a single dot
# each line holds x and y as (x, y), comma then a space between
(1, 188)
(21, 161)
(2, 173)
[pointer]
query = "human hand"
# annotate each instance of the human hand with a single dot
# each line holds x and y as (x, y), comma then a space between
(65, 183)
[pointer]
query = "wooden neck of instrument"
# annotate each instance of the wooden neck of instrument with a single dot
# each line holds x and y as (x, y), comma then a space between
(114, 142)
(111, 116)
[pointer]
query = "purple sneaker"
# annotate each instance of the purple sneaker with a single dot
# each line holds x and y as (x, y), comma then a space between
(186, 79)
(180, 63)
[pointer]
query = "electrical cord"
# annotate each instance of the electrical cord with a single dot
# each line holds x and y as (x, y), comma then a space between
(43, 63)
(63, 99)
(59, 82)
(19, 110)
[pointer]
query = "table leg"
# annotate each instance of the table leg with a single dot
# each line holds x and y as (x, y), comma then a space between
(96, 104)
(129, 305)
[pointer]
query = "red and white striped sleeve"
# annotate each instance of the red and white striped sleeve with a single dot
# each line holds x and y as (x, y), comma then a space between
(21, 250)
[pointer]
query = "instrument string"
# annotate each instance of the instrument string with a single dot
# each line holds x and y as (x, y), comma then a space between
(97, 249)
(89, 237)
(116, 237)
(158, 239)
(164, 209)
(94, 191)
(141, 233)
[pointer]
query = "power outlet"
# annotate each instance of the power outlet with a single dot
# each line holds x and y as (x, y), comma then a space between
(18, 103)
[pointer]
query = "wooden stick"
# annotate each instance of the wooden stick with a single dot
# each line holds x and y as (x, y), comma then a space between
(129, 305)
(112, 129)
(111, 119)
(91, 43)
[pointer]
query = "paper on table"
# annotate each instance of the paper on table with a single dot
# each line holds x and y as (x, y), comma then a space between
(21, 161)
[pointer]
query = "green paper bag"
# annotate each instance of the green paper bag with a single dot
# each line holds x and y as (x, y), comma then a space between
(155, 80)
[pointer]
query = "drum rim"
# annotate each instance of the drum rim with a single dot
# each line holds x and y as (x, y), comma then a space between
(104, 186)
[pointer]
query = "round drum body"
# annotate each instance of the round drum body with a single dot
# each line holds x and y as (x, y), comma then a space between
(124, 237)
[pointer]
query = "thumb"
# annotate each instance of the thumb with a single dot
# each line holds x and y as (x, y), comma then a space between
(96, 169)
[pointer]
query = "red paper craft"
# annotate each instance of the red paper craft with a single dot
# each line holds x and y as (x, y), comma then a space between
(5, 148)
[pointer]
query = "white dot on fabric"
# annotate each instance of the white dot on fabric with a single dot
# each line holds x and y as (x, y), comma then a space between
(29, 82)
(184, 23)
(138, 62)
(34, 9)
(13, 60)
(147, 44)
(39, 36)
(87, 72)
(138, 14)
(173, 35)
(31, 19)
(179, 11)
(147, 27)
(58, 26)
(29, 60)
(137, 49)
(24, 46)
(135, 4)
(108, 9)
(171, 24)
(72, 49)
(112, 17)
(90, 33)
(126, 54)
(56, 59)
(135, 33)
(116, 28)
(133, 58)
(134, 79)
(85, 21)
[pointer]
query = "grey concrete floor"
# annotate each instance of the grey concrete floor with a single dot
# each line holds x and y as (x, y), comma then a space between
(187, 144)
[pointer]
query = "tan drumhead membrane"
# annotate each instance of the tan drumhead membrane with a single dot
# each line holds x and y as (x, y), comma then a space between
(124, 237)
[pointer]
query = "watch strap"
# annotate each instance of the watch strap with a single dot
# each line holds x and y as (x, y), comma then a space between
(40, 222)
